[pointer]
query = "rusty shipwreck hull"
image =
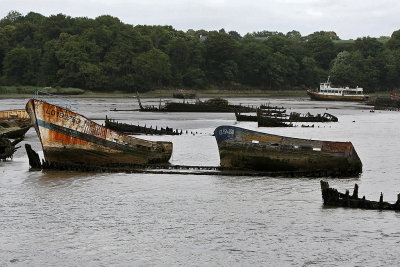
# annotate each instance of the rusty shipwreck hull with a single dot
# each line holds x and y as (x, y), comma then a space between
(249, 149)
(68, 137)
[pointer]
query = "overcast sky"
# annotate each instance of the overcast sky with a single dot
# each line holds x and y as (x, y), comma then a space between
(348, 18)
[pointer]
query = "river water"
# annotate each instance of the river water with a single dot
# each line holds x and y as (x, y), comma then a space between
(80, 219)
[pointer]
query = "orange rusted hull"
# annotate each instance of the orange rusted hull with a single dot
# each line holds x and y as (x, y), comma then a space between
(68, 137)
(253, 150)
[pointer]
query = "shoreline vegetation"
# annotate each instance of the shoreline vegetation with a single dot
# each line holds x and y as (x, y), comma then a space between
(29, 91)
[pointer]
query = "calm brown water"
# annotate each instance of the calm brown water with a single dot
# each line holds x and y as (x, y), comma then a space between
(81, 219)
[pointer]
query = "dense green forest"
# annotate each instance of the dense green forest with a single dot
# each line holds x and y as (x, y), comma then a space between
(104, 54)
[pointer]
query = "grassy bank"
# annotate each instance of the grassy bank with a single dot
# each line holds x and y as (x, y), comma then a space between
(28, 91)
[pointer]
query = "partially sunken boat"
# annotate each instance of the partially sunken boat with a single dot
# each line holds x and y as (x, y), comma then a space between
(211, 105)
(247, 149)
(136, 129)
(14, 123)
(333, 198)
(70, 138)
(11, 128)
(328, 93)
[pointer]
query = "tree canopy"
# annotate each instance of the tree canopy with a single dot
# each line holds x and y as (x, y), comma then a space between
(105, 54)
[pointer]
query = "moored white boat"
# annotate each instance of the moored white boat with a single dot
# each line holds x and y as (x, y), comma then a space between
(326, 92)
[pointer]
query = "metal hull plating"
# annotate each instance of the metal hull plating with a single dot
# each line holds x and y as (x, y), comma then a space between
(248, 149)
(336, 97)
(68, 137)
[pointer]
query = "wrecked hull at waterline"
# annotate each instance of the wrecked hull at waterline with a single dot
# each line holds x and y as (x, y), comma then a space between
(68, 137)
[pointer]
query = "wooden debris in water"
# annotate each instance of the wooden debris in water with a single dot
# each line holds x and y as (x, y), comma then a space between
(332, 197)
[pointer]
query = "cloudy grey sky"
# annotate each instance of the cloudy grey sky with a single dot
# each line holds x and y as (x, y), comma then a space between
(348, 18)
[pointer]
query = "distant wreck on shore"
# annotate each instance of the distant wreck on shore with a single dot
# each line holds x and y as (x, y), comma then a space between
(136, 129)
(68, 137)
(332, 197)
(270, 116)
(243, 148)
(390, 103)
(211, 105)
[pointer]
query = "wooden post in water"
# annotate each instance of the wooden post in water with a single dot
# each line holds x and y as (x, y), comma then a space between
(34, 160)
(355, 192)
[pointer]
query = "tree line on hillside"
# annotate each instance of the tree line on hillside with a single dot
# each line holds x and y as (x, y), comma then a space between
(104, 54)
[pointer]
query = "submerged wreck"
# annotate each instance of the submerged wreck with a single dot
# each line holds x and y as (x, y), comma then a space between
(14, 123)
(136, 129)
(275, 120)
(386, 103)
(247, 149)
(14, 128)
(211, 105)
(284, 120)
(332, 197)
(71, 138)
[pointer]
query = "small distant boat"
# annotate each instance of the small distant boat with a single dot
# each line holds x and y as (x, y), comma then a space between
(326, 92)
(247, 149)
(68, 137)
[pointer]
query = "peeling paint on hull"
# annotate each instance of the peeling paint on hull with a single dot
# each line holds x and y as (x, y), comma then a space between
(68, 137)
(259, 151)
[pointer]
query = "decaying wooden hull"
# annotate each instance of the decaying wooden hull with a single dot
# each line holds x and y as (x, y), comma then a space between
(13, 128)
(68, 137)
(332, 197)
(249, 149)
(324, 97)
(14, 114)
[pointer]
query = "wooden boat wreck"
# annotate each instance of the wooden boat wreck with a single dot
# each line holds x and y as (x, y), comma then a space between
(276, 120)
(245, 117)
(14, 128)
(247, 149)
(332, 197)
(184, 95)
(136, 129)
(326, 117)
(386, 103)
(283, 120)
(211, 105)
(264, 112)
(71, 138)
(14, 114)
(14, 123)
